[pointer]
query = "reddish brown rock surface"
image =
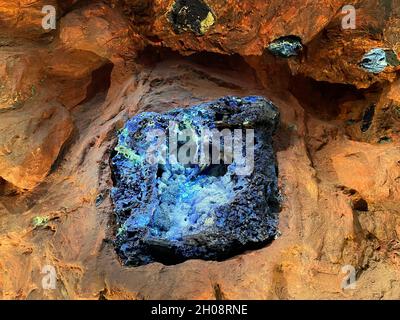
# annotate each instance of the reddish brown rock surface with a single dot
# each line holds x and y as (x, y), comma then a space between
(23, 18)
(31, 138)
(260, 23)
(334, 54)
(63, 98)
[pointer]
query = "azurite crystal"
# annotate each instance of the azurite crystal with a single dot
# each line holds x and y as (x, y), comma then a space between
(169, 212)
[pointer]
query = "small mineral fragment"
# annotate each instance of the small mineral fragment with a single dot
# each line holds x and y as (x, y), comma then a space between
(376, 60)
(191, 15)
(286, 46)
(40, 222)
(170, 211)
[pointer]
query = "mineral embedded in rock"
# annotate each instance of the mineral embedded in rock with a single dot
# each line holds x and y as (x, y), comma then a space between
(286, 46)
(191, 15)
(376, 60)
(170, 211)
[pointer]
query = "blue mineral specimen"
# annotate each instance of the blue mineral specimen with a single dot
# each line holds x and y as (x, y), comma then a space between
(170, 212)
(286, 46)
(374, 61)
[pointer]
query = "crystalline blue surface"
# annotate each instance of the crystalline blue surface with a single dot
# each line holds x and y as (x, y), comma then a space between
(374, 61)
(172, 212)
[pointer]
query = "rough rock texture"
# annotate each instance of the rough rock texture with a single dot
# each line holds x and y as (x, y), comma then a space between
(77, 67)
(19, 74)
(99, 29)
(260, 23)
(174, 209)
(335, 54)
(23, 18)
(30, 140)
(337, 147)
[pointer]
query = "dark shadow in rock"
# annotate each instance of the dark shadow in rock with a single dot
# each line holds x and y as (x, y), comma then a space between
(101, 81)
(321, 99)
(367, 118)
